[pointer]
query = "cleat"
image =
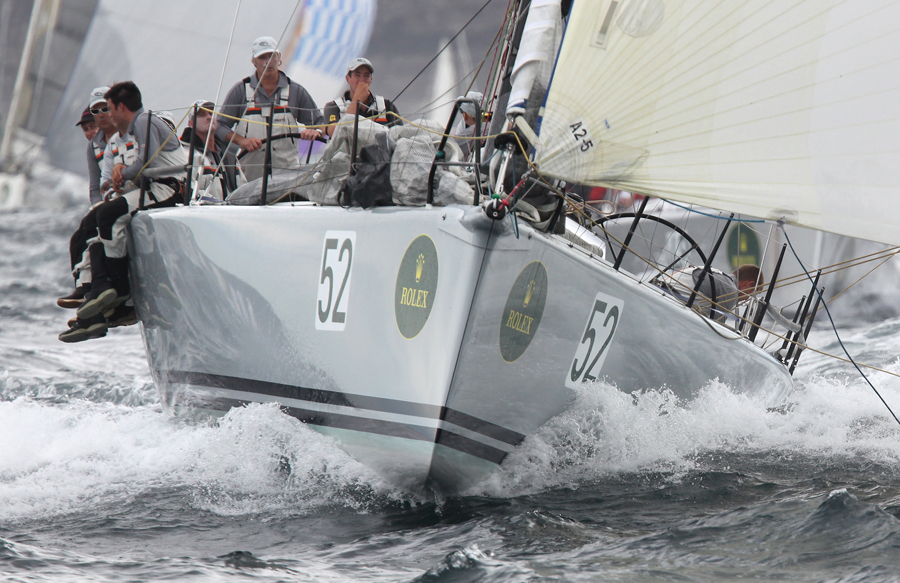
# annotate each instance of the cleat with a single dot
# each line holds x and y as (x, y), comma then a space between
(74, 299)
(86, 329)
(122, 316)
(101, 298)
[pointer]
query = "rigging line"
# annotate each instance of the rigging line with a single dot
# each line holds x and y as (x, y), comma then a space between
(162, 144)
(865, 275)
(712, 215)
(794, 279)
(483, 61)
(442, 50)
(237, 10)
(849, 263)
(477, 70)
(834, 328)
(269, 62)
(490, 85)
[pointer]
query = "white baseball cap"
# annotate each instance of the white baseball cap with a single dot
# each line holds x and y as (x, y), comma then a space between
(264, 45)
(359, 62)
(205, 103)
(468, 107)
(97, 95)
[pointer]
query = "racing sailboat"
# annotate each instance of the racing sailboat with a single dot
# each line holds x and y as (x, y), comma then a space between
(431, 339)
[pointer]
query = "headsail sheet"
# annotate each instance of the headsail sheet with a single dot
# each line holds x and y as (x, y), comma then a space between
(785, 109)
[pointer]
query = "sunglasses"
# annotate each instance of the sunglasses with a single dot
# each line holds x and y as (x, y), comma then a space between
(99, 110)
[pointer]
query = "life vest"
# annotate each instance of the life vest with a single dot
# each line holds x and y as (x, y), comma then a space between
(98, 151)
(380, 107)
(253, 125)
(209, 177)
(124, 149)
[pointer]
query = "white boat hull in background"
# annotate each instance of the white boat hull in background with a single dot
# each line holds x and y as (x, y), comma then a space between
(12, 190)
(428, 342)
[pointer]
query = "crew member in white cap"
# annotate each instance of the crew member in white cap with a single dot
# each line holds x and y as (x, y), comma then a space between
(375, 107)
(250, 100)
(107, 129)
(465, 127)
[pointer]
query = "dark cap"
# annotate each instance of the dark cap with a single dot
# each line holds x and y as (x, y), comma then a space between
(86, 116)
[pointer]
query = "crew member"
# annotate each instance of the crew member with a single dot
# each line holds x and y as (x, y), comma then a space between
(109, 262)
(250, 101)
(216, 172)
(87, 124)
(719, 293)
(378, 108)
(465, 128)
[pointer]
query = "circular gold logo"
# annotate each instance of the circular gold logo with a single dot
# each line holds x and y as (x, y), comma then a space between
(417, 282)
(522, 313)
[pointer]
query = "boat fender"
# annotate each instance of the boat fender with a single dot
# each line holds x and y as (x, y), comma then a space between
(496, 209)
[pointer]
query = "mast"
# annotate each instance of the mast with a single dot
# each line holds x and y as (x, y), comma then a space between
(12, 122)
(45, 58)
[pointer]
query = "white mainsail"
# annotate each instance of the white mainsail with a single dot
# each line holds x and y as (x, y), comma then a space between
(785, 110)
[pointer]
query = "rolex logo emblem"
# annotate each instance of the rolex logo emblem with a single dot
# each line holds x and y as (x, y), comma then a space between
(420, 265)
(528, 291)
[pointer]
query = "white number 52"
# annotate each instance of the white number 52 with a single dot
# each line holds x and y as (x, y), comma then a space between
(598, 334)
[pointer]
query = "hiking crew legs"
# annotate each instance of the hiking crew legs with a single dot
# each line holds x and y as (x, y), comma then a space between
(108, 251)
(78, 245)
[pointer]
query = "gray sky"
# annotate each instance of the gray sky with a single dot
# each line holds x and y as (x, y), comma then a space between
(408, 34)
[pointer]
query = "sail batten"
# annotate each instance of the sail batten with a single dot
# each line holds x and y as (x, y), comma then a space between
(785, 109)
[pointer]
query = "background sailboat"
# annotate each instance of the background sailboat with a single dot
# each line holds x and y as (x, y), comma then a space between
(39, 45)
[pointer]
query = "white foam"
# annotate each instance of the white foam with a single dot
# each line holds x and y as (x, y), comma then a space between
(607, 431)
(69, 458)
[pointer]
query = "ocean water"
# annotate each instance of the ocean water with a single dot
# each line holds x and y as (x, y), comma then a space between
(98, 483)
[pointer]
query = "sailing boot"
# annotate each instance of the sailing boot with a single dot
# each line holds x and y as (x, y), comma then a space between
(101, 298)
(118, 274)
(86, 329)
(122, 315)
(74, 299)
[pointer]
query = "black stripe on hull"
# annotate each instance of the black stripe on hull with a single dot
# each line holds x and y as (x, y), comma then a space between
(361, 402)
(339, 421)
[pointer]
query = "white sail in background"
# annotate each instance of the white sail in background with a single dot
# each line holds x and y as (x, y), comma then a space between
(443, 88)
(325, 36)
(785, 110)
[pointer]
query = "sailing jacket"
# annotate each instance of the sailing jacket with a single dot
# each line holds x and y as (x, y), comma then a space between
(119, 150)
(171, 154)
(94, 157)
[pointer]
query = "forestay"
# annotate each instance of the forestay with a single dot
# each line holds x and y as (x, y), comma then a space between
(783, 110)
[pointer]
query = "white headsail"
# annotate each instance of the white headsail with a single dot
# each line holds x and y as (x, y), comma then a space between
(784, 110)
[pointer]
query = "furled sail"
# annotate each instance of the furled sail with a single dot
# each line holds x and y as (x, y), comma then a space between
(784, 110)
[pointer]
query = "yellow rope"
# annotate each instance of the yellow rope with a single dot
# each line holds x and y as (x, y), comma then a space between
(158, 150)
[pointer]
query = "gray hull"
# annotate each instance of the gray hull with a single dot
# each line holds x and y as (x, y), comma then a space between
(428, 342)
